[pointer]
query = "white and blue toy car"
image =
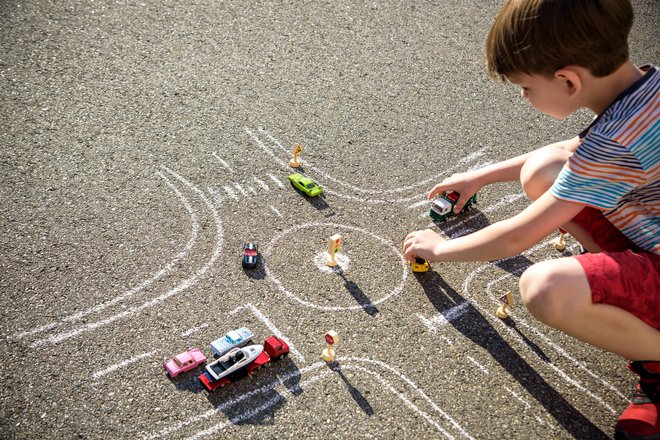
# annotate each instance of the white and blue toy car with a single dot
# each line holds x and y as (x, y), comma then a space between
(235, 338)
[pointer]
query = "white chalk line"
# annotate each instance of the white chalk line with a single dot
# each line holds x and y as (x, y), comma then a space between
(187, 283)
(517, 337)
(277, 181)
(194, 330)
(469, 158)
(232, 402)
(224, 164)
(216, 195)
(256, 312)
(397, 290)
(441, 319)
(261, 183)
(561, 351)
(481, 367)
(275, 210)
(305, 383)
(514, 394)
(129, 293)
(97, 375)
(285, 165)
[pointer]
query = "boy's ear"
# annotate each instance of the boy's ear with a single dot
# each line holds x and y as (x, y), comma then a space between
(572, 78)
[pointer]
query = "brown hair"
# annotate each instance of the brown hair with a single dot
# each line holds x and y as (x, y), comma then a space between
(541, 36)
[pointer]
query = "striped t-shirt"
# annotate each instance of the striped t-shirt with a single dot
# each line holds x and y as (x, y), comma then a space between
(616, 167)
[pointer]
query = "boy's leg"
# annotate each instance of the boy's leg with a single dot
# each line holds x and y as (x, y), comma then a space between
(537, 176)
(557, 292)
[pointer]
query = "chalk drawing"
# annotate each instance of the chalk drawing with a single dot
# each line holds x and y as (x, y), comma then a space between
(347, 364)
(224, 164)
(481, 367)
(230, 192)
(122, 364)
(194, 228)
(460, 163)
(256, 312)
(395, 250)
(262, 184)
(194, 330)
(182, 286)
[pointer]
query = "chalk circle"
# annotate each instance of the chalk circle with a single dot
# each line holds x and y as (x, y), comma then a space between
(313, 259)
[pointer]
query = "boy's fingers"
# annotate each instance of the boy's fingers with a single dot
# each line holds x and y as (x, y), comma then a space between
(438, 189)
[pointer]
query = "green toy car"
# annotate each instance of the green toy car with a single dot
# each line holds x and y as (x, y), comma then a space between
(443, 207)
(305, 184)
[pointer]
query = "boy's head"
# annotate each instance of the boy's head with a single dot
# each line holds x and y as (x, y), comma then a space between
(538, 37)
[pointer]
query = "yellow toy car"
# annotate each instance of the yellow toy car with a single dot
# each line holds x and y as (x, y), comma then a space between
(420, 265)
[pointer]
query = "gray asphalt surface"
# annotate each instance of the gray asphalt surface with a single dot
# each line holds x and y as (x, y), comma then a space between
(143, 142)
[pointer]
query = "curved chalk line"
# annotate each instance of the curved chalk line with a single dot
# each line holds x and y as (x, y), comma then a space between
(469, 158)
(187, 283)
(359, 199)
(396, 291)
(160, 274)
(305, 383)
(560, 351)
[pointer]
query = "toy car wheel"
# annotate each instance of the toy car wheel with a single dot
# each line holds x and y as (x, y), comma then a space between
(283, 355)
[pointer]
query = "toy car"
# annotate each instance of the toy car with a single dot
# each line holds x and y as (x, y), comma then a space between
(276, 347)
(305, 184)
(235, 338)
(420, 265)
(443, 207)
(250, 256)
(228, 368)
(185, 361)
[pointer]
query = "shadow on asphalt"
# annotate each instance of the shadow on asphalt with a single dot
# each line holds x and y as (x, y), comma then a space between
(360, 297)
(474, 221)
(475, 327)
(357, 396)
(255, 400)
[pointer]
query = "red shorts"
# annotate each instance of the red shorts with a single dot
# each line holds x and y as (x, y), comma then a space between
(621, 275)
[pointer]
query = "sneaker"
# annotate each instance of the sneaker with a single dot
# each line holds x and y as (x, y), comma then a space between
(641, 420)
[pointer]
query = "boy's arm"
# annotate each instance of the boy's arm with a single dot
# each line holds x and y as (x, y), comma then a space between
(509, 170)
(467, 184)
(503, 239)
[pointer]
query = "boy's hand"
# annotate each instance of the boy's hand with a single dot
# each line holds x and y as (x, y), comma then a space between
(466, 184)
(422, 244)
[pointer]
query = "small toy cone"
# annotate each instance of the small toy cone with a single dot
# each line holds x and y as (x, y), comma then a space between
(559, 243)
(507, 301)
(501, 312)
(295, 150)
(328, 354)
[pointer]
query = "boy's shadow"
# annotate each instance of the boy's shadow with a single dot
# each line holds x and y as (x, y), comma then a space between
(475, 327)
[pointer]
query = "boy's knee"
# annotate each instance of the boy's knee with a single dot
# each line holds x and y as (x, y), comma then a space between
(541, 170)
(541, 289)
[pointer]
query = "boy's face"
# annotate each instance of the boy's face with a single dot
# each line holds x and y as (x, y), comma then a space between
(549, 95)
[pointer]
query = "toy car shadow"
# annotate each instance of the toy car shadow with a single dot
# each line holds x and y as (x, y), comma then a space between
(283, 371)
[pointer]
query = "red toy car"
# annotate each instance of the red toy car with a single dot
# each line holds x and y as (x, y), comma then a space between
(274, 348)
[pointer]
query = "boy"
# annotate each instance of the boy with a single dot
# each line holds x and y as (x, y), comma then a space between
(602, 186)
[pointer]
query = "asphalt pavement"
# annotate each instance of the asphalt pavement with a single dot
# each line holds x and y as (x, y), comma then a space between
(143, 142)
